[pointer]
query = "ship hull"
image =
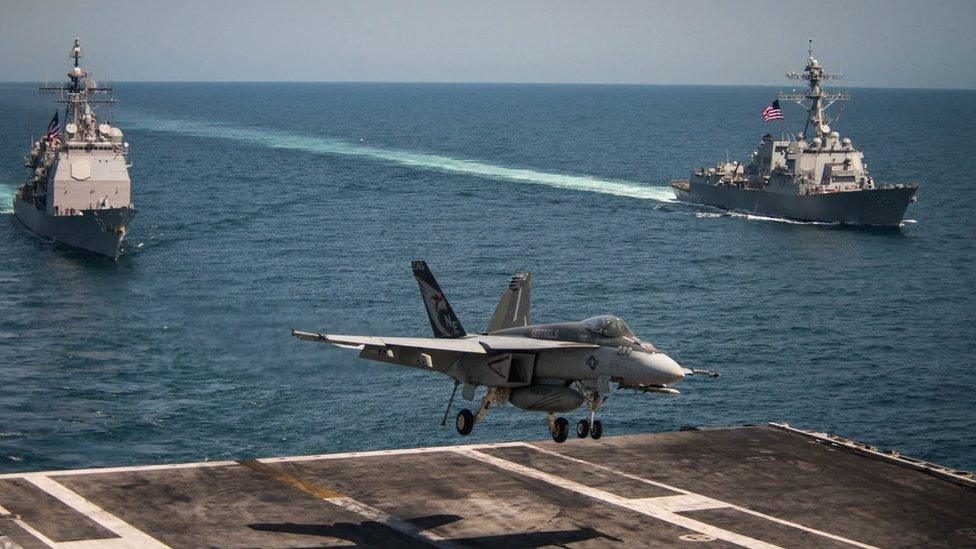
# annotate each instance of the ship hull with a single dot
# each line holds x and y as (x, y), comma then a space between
(89, 231)
(884, 207)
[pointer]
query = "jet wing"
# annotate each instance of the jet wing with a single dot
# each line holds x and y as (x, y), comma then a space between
(470, 344)
(459, 345)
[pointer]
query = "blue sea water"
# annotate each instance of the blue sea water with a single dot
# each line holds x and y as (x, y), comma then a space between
(266, 207)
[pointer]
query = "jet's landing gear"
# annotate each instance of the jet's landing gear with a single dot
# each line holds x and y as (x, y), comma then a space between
(466, 419)
(590, 426)
(464, 422)
(558, 427)
(596, 430)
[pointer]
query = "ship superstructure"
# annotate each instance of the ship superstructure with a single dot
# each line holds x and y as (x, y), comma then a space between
(822, 179)
(79, 191)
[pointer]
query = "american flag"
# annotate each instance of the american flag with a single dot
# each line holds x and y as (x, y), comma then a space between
(54, 128)
(772, 112)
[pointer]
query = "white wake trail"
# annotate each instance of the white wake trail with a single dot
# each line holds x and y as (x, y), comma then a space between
(422, 161)
(6, 198)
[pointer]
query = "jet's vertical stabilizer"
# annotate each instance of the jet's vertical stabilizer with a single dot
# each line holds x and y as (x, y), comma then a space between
(442, 318)
(513, 308)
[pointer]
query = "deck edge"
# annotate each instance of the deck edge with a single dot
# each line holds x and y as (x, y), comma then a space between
(966, 479)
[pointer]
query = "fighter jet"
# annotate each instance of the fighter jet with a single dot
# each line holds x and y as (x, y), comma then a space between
(553, 368)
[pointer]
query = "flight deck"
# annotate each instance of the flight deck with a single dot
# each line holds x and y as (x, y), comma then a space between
(757, 486)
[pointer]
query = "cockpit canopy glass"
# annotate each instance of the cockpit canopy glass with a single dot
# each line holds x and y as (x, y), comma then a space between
(607, 326)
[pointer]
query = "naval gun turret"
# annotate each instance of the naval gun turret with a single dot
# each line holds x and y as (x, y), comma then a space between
(823, 179)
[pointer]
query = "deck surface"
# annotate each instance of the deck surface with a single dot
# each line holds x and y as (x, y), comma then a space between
(748, 487)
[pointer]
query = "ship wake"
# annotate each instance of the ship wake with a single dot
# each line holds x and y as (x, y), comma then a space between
(411, 159)
(7, 198)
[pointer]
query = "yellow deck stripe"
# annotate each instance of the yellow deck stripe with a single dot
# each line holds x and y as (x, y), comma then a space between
(289, 479)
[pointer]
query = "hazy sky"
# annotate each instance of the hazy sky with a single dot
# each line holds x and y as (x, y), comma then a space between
(877, 43)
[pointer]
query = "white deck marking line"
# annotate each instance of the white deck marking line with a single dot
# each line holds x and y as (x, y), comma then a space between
(367, 453)
(126, 469)
(641, 506)
(397, 452)
(388, 520)
(27, 528)
(682, 503)
(686, 492)
(112, 543)
(131, 535)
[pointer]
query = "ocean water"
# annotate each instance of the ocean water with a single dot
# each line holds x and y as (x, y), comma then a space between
(266, 207)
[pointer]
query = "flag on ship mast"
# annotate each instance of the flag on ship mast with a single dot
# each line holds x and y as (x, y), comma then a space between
(54, 128)
(772, 112)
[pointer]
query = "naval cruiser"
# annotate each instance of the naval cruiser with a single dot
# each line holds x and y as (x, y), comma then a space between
(79, 190)
(823, 179)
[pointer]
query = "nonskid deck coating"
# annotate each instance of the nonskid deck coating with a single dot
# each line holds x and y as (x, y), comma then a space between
(749, 487)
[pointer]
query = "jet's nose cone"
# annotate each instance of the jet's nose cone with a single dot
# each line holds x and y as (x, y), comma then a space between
(673, 369)
(665, 369)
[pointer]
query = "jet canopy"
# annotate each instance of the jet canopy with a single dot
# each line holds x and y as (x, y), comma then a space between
(607, 326)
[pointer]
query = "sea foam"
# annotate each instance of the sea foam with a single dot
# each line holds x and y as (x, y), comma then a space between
(417, 160)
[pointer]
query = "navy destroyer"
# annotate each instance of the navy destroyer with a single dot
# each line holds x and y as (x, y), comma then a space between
(79, 190)
(823, 179)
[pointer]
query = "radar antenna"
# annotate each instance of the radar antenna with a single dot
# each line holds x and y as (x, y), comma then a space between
(820, 100)
(80, 94)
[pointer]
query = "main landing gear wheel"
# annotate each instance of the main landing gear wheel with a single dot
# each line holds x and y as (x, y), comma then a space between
(597, 430)
(561, 430)
(464, 422)
(582, 428)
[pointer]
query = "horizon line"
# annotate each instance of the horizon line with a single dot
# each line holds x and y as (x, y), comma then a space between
(474, 82)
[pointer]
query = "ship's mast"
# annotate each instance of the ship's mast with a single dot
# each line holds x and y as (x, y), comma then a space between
(77, 76)
(80, 94)
(820, 101)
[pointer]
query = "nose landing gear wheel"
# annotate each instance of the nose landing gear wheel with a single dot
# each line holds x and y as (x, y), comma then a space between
(582, 428)
(596, 431)
(561, 430)
(464, 422)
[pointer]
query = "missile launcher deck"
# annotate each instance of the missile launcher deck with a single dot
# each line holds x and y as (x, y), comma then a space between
(758, 487)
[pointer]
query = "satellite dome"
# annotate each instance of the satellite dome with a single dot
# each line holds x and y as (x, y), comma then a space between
(817, 141)
(846, 142)
(834, 135)
(71, 128)
(826, 128)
